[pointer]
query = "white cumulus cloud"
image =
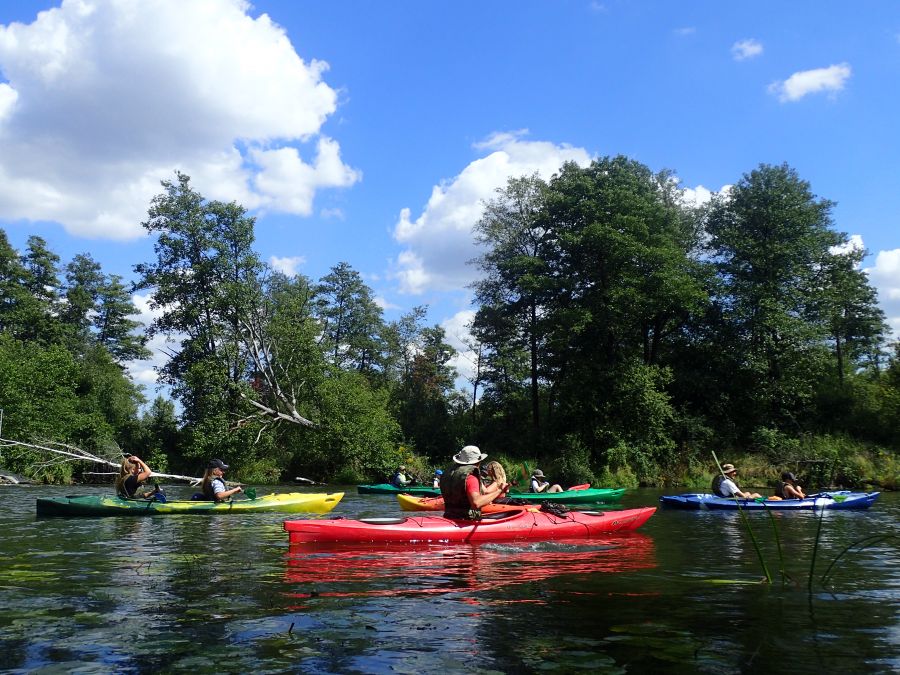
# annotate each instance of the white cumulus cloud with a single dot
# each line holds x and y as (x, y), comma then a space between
(831, 79)
(101, 99)
(457, 335)
(287, 265)
(854, 243)
(746, 49)
(439, 242)
(885, 276)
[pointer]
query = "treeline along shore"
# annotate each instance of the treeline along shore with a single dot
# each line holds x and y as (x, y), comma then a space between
(621, 335)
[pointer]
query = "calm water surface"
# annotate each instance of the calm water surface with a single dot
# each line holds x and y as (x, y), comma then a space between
(227, 593)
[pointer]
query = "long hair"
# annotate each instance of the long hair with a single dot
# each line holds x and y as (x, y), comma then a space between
(124, 472)
(206, 485)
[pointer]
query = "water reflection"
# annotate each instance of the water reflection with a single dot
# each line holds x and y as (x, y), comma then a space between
(376, 570)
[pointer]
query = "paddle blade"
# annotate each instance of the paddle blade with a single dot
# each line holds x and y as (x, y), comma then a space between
(251, 493)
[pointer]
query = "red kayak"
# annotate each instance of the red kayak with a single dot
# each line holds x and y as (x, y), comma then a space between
(505, 526)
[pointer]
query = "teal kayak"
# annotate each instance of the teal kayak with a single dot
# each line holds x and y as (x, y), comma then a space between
(586, 496)
(388, 489)
(97, 505)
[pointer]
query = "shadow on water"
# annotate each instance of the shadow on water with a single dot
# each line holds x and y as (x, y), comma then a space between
(225, 593)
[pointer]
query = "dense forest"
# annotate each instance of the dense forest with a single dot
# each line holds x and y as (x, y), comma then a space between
(621, 335)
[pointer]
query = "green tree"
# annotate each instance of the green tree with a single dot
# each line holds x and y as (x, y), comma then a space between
(115, 331)
(204, 280)
(628, 285)
(19, 309)
(38, 313)
(83, 280)
(848, 307)
(352, 323)
(770, 237)
(516, 282)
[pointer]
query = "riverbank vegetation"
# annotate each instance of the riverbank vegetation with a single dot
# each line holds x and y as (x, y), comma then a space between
(621, 334)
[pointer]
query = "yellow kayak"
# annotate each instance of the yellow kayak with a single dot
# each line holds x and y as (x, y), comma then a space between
(413, 503)
(94, 505)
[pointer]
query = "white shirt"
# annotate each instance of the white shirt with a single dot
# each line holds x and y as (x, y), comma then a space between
(729, 488)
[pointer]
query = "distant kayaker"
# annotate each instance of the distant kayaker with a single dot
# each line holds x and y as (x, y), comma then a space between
(132, 474)
(538, 484)
(400, 478)
(727, 487)
(436, 483)
(213, 485)
(788, 487)
(462, 489)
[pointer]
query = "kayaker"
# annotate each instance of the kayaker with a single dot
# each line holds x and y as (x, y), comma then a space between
(538, 484)
(400, 478)
(213, 485)
(788, 487)
(727, 487)
(462, 489)
(436, 483)
(132, 474)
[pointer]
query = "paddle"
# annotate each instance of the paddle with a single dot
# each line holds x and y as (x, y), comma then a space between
(249, 493)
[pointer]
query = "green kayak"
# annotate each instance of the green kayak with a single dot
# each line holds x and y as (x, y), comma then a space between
(586, 496)
(388, 489)
(95, 505)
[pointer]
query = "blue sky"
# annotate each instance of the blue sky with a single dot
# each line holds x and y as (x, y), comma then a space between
(371, 132)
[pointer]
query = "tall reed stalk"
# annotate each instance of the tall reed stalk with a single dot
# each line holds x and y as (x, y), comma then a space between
(812, 563)
(762, 560)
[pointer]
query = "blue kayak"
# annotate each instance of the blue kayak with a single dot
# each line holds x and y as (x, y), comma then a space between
(840, 499)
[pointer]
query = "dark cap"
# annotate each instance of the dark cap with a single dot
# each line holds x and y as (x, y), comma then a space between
(216, 464)
(787, 475)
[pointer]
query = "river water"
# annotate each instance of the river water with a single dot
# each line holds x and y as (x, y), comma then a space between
(227, 593)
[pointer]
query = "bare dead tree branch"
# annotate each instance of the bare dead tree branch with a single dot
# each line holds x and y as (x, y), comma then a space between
(69, 453)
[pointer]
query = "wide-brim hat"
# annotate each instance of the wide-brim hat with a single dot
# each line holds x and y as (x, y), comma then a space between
(470, 454)
(537, 473)
(728, 468)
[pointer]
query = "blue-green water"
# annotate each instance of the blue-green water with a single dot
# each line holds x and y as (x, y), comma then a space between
(227, 593)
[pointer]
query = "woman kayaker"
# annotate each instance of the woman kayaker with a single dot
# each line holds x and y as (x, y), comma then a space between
(727, 487)
(436, 482)
(213, 486)
(788, 488)
(538, 484)
(132, 474)
(462, 489)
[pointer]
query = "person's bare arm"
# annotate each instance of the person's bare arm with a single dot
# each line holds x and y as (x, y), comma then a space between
(477, 499)
(146, 471)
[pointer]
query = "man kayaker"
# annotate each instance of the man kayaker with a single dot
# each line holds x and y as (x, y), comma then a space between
(788, 488)
(538, 484)
(132, 474)
(213, 486)
(462, 489)
(400, 478)
(727, 487)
